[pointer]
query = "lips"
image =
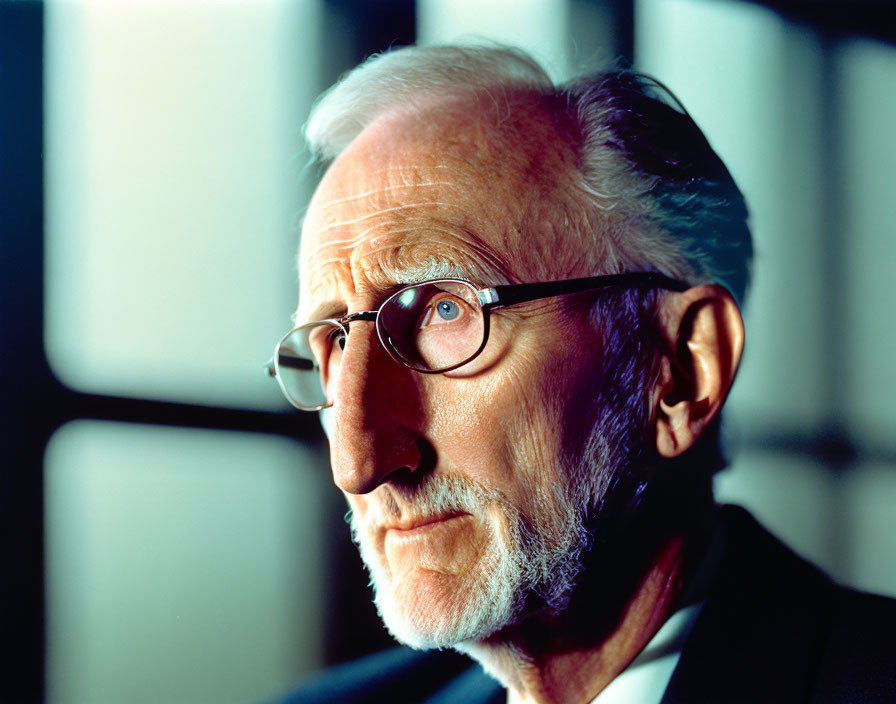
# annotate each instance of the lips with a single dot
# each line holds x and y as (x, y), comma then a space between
(419, 523)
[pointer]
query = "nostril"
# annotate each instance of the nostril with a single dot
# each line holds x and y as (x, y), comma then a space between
(427, 459)
(402, 476)
(415, 472)
(364, 457)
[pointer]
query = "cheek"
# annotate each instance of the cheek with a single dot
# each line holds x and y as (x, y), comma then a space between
(503, 428)
(472, 420)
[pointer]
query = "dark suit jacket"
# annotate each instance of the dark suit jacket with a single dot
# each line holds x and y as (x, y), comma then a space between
(772, 629)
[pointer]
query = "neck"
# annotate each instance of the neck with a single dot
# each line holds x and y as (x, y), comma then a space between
(571, 657)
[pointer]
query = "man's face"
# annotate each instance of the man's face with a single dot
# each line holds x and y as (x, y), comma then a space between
(459, 483)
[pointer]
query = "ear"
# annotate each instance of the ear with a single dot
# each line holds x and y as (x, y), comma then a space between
(705, 338)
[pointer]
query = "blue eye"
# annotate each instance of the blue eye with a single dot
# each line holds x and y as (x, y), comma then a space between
(448, 310)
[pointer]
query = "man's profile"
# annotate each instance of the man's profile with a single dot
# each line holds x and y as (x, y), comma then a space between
(519, 317)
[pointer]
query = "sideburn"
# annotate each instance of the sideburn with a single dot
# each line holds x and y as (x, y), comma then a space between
(639, 501)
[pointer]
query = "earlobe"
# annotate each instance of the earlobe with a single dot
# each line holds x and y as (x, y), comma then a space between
(705, 336)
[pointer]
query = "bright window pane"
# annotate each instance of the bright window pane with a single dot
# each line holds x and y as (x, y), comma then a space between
(867, 89)
(870, 493)
(173, 177)
(182, 565)
(753, 82)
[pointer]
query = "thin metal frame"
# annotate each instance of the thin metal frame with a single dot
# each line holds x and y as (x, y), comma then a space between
(492, 298)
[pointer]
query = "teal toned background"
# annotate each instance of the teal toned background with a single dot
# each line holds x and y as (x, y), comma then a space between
(193, 548)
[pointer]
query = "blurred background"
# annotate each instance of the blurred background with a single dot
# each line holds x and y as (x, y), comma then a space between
(169, 526)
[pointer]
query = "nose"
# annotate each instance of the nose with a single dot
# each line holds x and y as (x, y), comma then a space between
(376, 415)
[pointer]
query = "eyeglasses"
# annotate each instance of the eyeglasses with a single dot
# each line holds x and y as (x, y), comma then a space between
(430, 327)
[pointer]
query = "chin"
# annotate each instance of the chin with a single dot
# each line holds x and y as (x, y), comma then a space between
(514, 561)
(429, 609)
(470, 613)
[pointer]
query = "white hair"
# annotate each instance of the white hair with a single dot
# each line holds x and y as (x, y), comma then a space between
(537, 553)
(411, 78)
(672, 207)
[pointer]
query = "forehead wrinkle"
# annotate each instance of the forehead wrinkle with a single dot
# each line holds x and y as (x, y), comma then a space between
(381, 212)
(319, 253)
(342, 245)
(328, 251)
(392, 178)
(361, 226)
(384, 263)
(385, 189)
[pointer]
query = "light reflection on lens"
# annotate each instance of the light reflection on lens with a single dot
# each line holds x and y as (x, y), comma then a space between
(434, 326)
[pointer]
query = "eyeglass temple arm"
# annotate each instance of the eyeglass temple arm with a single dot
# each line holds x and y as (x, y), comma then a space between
(501, 296)
(290, 362)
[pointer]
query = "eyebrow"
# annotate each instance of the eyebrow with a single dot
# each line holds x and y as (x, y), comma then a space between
(392, 279)
(437, 268)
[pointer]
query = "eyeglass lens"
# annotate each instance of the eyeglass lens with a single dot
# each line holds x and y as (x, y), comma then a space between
(299, 365)
(430, 327)
(433, 326)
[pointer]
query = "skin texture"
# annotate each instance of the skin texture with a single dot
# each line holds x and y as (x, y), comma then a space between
(412, 198)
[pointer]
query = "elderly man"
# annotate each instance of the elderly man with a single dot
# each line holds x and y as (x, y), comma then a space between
(519, 319)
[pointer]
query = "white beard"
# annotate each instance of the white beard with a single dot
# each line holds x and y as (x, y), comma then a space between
(537, 555)
(533, 561)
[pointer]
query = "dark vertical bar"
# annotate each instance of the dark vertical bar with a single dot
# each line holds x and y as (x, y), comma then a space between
(23, 374)
(356, 29)
(836, 449)
(600, 31)
(624, 16)
(370, 27)
(834, 353)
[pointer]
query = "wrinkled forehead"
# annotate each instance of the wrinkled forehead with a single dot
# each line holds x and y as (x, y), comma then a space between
(413, 199)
